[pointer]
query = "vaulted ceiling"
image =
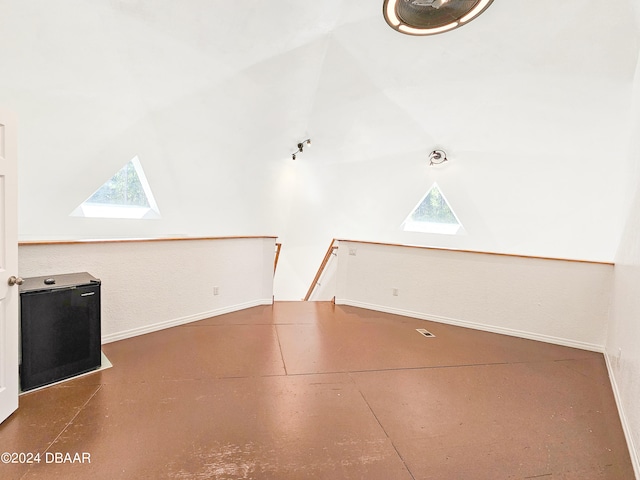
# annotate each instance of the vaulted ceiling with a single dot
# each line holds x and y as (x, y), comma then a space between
(532, 102)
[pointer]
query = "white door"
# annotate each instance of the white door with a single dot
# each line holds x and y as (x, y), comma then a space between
(9, 382)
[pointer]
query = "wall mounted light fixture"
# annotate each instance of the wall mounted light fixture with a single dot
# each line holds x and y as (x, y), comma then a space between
(301, 146)
(428, 17)
(437, 157)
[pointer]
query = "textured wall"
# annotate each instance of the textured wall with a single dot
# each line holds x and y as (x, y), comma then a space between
(623, 354)
(151, 285)
(550, 300)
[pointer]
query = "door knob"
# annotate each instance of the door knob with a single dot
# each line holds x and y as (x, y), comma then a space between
(13, 280)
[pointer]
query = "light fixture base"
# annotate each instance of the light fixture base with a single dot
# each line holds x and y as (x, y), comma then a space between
(430, 17)
(437, 157)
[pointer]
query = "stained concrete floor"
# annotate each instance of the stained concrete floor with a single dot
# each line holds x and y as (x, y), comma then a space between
(304, 390)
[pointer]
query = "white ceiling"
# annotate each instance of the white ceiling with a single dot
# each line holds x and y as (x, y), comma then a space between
(213, 97)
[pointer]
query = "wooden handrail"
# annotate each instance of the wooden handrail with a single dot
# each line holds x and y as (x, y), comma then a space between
(323, 265)
(444, 249)
(136, 240)
(275, 262)
(333, 247)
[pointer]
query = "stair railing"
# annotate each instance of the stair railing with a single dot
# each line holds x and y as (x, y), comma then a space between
(330, 251)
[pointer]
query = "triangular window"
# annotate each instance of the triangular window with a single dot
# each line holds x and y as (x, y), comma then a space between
(433, 215)
(125, 195)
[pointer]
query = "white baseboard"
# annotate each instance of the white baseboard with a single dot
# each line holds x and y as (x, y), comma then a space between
(633, 452)
(566, 342)
(134, 332)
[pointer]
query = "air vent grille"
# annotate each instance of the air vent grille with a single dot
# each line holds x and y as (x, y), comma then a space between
(424, 332)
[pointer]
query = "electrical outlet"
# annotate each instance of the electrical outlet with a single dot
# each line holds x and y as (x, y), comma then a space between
(216, 290)
(394, 292)
(352, 251)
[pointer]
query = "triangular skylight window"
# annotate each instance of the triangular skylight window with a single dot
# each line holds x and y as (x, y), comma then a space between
(433, 215)
(125, 195)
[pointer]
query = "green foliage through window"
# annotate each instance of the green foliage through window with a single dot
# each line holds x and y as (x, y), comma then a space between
(124, 188)
(434, 208)
(125, 195)
(433, 215)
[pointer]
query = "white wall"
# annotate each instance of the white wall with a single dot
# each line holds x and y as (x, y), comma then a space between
(149, 285)
(534, 121)
(556, 301)
(622, 352)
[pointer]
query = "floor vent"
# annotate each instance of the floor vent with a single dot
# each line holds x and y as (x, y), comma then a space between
(424, 332)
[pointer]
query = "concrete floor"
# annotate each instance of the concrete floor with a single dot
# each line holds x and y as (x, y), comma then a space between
(304, 390)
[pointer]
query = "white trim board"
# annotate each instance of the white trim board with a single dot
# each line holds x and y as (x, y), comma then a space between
(134, 332)
(635, 461)
(476, 326)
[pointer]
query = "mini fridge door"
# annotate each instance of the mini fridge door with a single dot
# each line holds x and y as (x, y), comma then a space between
(60, 331)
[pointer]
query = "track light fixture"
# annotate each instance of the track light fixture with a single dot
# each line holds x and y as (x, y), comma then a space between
(437, 157)
(301, 146)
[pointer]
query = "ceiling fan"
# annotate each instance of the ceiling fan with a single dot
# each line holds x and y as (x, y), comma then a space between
(429, 17)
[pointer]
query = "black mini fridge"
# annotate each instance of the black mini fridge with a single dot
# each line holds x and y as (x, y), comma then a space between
(60, 328)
